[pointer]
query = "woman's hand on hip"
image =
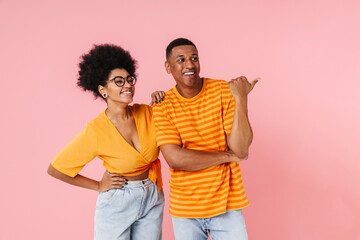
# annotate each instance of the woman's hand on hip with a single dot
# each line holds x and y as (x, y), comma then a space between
(110, 181)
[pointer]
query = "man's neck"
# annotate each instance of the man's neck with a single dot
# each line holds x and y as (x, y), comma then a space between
(190, 92)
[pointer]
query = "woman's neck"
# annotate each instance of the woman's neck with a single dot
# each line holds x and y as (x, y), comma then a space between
(118, 112)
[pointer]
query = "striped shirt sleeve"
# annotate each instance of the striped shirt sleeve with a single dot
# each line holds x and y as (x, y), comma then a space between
(166, 132)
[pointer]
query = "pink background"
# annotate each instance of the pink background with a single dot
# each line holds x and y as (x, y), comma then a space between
(302, 175)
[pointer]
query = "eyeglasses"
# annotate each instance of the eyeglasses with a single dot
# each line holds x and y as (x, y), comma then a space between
(120, 81)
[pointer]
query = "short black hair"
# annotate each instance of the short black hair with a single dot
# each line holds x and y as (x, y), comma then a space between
(178, 42)
(95, 66)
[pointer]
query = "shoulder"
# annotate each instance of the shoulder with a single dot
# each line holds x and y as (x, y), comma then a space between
(141, 109)
(217, 86)
(98, 124)
(215, 82)
(169, 99)
(99, 120)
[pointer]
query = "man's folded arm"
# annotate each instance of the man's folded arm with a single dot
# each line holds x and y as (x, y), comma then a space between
(194, 160)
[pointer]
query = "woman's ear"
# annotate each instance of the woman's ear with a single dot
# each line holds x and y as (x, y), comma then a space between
(102, 91)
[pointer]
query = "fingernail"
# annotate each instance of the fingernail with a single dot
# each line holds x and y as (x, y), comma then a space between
(126, 183)
(160, 101)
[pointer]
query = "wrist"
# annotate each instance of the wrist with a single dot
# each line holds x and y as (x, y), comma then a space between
(241, 99)
(98, 186)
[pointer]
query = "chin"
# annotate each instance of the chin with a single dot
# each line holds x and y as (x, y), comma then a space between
(191, 82)
(127, 101)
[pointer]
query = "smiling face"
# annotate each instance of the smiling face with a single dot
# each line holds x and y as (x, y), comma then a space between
(114, 93)
(183, 63)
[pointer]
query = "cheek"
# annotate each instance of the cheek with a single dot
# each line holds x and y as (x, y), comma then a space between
(114, 91)
(178, 69)
(111, 90)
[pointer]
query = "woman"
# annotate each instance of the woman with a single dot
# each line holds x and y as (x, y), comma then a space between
(130, 201)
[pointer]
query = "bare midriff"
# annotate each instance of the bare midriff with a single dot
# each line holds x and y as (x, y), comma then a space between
(139, 177)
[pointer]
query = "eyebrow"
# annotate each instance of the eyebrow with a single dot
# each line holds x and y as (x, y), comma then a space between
(194, 54)
(121, 76)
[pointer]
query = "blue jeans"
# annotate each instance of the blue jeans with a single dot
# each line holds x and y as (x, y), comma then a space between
(229, 226)
(133, 212)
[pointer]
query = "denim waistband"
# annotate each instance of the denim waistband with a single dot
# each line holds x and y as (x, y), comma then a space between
(137, 184)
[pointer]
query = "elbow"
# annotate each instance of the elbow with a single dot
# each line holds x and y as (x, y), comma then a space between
(49, 170)
(174, 164)
(174, 167)
(241, 151)
(52, 171)
(171, 157)
(243, 155)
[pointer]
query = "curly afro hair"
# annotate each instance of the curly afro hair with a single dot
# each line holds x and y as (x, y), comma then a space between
(96, 66)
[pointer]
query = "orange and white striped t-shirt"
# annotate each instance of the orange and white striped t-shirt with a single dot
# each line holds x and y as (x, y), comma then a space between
(200, 123)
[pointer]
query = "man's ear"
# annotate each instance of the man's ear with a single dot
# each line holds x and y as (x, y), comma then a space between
(167, 67)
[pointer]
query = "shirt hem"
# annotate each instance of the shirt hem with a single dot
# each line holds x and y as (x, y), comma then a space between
(211, 215)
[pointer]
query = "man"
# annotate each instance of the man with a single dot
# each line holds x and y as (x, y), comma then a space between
(203, 131)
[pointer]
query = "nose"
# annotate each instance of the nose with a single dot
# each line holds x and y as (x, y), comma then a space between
(189, 64)
(127, 84)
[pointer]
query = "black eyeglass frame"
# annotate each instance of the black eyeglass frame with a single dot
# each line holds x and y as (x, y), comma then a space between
(130, 79)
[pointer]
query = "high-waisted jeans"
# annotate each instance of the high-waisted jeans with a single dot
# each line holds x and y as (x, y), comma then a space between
(134, 212)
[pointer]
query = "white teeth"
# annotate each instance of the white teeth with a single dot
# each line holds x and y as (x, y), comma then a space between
(189, 73)
(125, 92)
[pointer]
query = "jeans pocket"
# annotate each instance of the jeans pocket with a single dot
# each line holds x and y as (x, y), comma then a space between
(105, 198)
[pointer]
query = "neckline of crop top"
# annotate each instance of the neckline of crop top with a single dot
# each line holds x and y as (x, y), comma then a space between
(121, 136)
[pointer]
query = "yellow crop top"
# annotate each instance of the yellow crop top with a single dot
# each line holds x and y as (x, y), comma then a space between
(101, 139)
